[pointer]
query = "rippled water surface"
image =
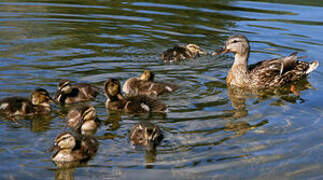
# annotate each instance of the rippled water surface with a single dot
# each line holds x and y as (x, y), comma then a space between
(277, 136)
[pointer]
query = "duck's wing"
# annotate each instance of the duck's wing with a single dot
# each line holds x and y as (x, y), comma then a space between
(279, 71)
(16, 106)
(140, 104)
(87, 90)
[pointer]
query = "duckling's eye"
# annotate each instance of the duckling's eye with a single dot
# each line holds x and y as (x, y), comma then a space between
(235, 41)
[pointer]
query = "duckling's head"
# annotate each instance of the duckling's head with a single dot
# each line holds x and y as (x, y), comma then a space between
(64, 86)
(147, 75)
(237, 44)
(65, 141)
(112, 88)
(195, 49)
(88, 113)
(151, 135)
(40, 96)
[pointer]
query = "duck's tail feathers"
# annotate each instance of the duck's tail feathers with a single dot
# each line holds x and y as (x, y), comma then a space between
(312, 66)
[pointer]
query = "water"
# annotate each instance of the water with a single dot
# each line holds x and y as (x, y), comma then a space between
(42, 42)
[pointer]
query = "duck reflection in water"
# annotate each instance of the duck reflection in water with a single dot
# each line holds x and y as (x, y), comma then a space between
(64, 174)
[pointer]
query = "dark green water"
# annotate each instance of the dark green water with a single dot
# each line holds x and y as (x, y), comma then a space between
(42, 42)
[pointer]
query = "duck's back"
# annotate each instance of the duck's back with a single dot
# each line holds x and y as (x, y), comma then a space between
(16, 106)
(142, 103)
(174, 54)
(279, 71)
(87, 90)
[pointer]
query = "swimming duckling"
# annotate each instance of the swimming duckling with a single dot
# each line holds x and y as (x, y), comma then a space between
(69, 148)
(83, 119)
(37, 104)
(264, 74)
(68, 94)
(145, 85)
(146, 134)
(179, 53)
(133, 104)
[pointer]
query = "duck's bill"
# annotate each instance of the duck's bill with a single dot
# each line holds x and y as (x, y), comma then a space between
(51, 100)
(54, 148)
(220, 51)
(57, 94)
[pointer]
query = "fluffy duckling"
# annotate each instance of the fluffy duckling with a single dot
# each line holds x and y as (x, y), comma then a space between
(83, 119)
(37, 104)
(133, 104)
(145, 85)
(69, 148)
(264, 74)
(146, 134)
(179, 53)
(68, 94)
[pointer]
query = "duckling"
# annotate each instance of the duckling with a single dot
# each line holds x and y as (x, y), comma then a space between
(37, 104)
(83, 119)
(146, 134)
(132, 104)
(68, 94)
(179, 53)
(145, 85)
(264, 74)
(70, 148)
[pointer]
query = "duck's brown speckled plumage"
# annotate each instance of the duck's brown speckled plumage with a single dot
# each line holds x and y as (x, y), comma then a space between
(71, 148)
(265, 74)
(132, 104)
(83, 119)
(146, 134)
(37, 104)
(145, 85)
(180, 52)
(68, 94)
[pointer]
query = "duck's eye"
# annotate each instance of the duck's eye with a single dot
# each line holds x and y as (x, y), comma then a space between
(235, 41)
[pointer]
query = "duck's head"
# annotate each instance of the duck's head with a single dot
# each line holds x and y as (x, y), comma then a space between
(147, 75)
(152, 135)
(112, 88)
(40, 96)
(195, 49)
(237, 44)
(63, 141)
(64, 86)
(88, 113)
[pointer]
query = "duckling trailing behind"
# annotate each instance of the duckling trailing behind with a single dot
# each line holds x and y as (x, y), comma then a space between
(269, 73)
(83, 119)
(179, 53)
(37, 104)
(133, 104)
(145, 85)
(68, 94)
(70, 148)
(146, 134)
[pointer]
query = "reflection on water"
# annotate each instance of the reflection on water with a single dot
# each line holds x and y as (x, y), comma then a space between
(211, 130)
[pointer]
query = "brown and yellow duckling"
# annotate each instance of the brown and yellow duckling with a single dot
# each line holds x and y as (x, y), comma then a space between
(269, 73)
(146, 134)
(37, 104)
(179, 53)
(68, 93)
(69, 148)
(132, 104)
(83, 119)
(145, 85)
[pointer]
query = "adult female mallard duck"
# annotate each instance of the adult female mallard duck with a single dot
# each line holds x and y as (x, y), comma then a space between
(37, 104)
(265, 74)
(70, 148)
(179, 53)
(68, 94)
(145, 85)
(83, 119)
(146, 134)
(132, 104)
